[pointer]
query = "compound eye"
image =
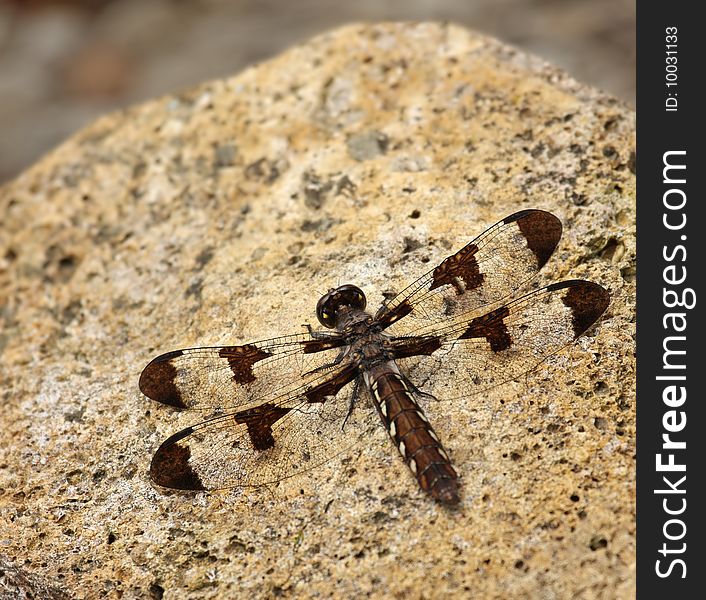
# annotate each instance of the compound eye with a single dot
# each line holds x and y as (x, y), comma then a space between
(326, 318)
(359, 301)
(325, 313)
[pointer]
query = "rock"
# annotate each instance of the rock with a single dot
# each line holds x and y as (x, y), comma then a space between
(219, 215)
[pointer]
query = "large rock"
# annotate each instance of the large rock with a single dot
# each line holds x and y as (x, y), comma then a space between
(219, 215)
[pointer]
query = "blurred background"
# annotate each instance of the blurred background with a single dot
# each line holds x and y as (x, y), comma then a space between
(64, 62)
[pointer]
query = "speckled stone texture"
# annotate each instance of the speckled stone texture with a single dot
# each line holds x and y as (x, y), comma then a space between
(219, 215)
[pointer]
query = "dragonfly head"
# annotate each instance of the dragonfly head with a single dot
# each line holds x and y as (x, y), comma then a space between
(329, 304)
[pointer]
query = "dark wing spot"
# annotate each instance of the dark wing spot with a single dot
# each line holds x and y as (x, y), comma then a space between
(542, 231)
(587, 301)
(492, 327)
(157, 380)
(404, 347)
(241, 360)
(170, 465)
(311, 346)
(320, 392)
(460, 266)
(259, 421)
(387, 317)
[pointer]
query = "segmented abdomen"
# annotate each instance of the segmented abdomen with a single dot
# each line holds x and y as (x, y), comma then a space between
(412, 433)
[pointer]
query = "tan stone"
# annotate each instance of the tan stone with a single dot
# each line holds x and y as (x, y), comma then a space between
(219, 215)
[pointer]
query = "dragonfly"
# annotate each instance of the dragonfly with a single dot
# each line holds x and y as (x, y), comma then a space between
(283, 406)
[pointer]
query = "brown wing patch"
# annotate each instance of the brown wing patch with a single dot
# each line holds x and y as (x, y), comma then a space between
(331, 387)
(259, 421)
(170, 465)
(542, 230)
(491, 327)
(414, 346)
(241, 360)
(387, 318)
(157, 380)
(312, 346)
(587, 301)
(460, 267)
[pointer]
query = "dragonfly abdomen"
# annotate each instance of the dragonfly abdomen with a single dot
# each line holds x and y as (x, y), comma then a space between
(412, 433)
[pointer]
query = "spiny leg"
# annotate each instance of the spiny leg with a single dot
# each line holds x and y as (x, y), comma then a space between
(336, 361)
(355, 396)
(415, 389)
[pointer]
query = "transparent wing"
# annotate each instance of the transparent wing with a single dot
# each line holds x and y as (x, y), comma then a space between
(229, 377)
(475, 354)
(490, 268)
(260, 446)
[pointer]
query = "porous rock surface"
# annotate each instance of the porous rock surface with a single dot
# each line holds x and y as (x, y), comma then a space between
(218, 215)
